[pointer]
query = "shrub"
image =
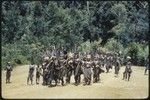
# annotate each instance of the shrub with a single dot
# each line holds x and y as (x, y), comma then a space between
(138, 53)
(114, 46)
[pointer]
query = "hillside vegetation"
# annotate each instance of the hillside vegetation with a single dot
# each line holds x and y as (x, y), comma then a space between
(31, 27)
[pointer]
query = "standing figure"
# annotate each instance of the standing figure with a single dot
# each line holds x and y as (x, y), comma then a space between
(50, 73)
(128, 70)
(45, 65)
(97, 70)
(146, 65)
(69, 70)
(78, 71)
(87, 71)
(38, 72)
(108, 64)
(61, 71)
(8, 72)
(117, 67)
(31, 73)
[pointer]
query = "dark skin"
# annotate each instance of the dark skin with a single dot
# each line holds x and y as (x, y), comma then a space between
(127, 72)
(8, 73)
(69, 71)
(38, 70)
(30, 76)
(117, 67)
(147, 64)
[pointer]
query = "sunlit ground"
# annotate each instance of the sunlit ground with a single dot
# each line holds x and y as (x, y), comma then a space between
(109, 87)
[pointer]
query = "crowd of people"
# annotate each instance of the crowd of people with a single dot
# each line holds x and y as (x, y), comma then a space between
(59, 69)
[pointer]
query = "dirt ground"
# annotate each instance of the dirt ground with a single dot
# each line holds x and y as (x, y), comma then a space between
(109, 87)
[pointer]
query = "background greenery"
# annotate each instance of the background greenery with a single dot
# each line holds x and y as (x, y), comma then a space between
(29, 27)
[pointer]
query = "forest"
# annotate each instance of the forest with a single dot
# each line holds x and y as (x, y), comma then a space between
(29, 28)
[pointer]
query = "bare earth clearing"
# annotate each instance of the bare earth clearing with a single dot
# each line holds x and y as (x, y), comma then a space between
(109, 87)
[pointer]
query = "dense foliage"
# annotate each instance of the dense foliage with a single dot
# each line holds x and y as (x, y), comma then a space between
(30, 27)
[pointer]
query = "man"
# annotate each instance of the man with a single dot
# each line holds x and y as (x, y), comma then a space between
(102, 60)
(60, 71)
(146, 65)
(8, 72)
(45, 67)
(50, 71)
(87, 71)
(117, 67)
(38, 72)
(108, 64)
(69, 68)
(128, 70)
(77, 70)
(31, 73)
(96, 67)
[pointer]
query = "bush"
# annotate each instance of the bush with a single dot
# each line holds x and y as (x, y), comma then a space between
(11, 53)
(138, 53)
(20, 53)
(142, 54)
(85, 47)
(90, 46)
(114, 46)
